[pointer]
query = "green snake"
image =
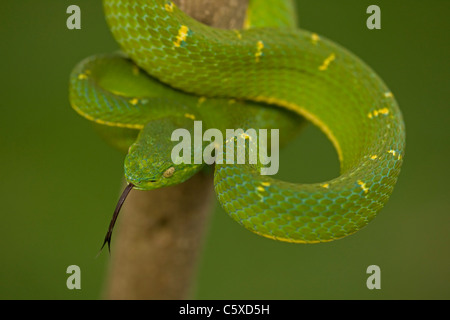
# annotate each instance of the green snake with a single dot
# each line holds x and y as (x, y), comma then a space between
(176, 70)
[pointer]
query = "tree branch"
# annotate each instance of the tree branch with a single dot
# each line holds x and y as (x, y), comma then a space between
(160, 234)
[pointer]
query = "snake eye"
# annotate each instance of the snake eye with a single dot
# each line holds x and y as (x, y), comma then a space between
(169, 172)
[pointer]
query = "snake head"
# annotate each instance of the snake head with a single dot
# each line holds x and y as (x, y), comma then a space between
(149, 164)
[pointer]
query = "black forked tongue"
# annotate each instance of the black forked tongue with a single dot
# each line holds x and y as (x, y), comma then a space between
(115, 215)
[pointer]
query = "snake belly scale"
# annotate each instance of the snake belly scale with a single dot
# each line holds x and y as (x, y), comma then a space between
(270, 74)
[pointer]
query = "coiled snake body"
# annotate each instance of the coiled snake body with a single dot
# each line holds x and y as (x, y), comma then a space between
(222, 77)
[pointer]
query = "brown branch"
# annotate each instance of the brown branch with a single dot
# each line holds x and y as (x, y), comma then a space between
(160, 234)
(225, 14)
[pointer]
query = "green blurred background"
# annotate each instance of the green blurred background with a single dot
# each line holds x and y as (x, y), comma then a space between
(60, 181)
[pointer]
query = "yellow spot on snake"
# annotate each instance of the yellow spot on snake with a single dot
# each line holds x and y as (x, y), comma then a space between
(259, 50)
(325, 185)
(182, 36)
(169, 7)
(246, 136)
(315, 38)
(239, 35)
(260, 191)
(134, 101)
(189, 116)
(265, 184)
(327, 62)
(363, 186)
(388, 95)
(201, 100)
(82, 76)
(374, 157)
(394, 153)
(376, 113)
